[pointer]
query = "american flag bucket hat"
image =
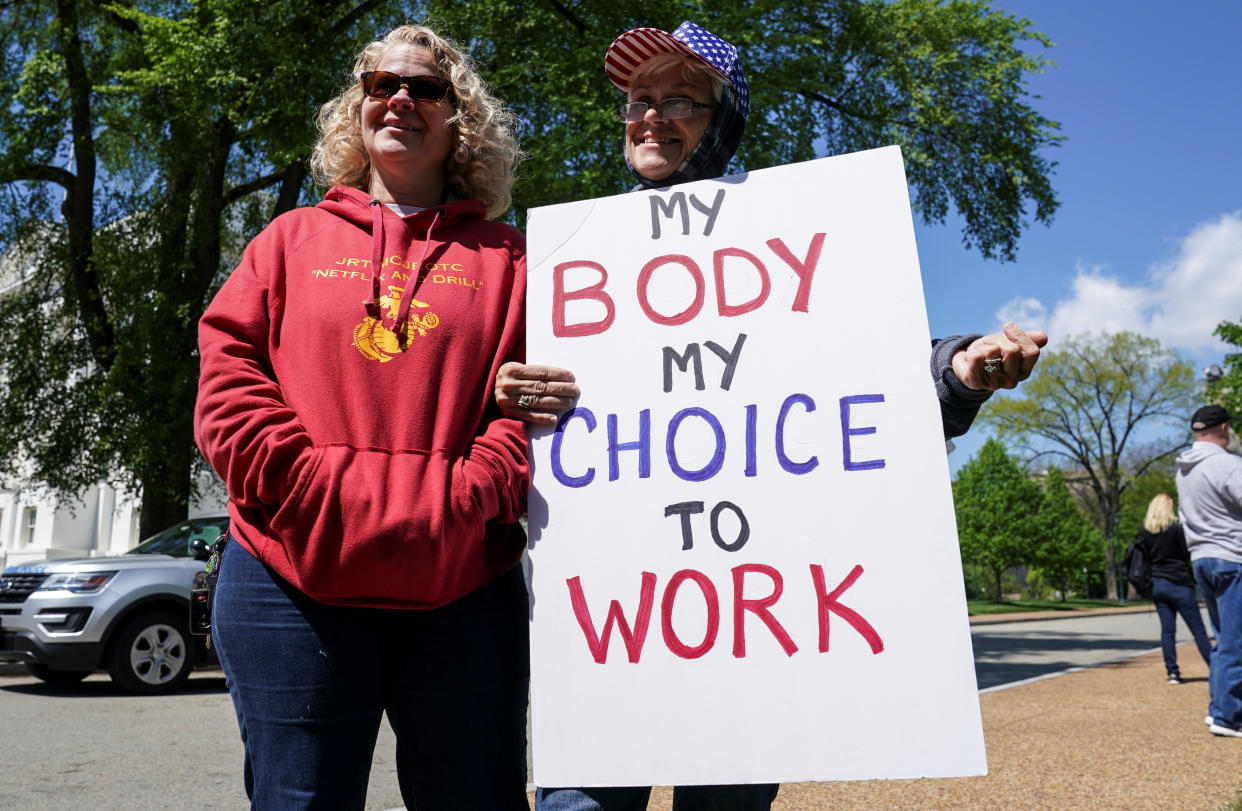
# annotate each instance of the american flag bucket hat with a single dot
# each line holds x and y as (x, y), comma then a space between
(637, 45)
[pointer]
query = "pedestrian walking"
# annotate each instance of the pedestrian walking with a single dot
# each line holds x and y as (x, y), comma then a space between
(1172, 582)
(1209, 490)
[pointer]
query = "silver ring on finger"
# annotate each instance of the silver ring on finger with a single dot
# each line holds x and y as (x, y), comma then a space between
(991, 365)
(526, 401)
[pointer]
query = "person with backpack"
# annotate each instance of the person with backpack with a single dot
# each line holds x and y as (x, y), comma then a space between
(1162, 543)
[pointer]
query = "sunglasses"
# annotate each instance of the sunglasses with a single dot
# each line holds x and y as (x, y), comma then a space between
(380, 84)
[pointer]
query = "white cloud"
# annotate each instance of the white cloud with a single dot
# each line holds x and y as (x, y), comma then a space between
(1181, 303)
(1023, 311)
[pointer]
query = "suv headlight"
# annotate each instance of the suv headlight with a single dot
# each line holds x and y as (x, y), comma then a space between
(77, 582)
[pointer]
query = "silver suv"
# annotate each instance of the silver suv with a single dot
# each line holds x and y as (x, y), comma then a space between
(68, 617)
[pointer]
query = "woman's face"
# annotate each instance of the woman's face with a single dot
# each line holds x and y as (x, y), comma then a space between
(657, 146)
(404, 138)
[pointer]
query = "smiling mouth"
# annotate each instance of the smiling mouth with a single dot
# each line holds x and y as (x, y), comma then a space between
(654, 141)
(400, 126)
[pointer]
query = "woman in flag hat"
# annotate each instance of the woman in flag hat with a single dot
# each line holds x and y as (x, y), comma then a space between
(687, 101)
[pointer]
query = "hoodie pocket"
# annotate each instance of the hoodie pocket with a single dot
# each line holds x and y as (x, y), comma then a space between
(356, 513)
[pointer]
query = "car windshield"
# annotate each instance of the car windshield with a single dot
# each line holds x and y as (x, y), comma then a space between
(178, 539)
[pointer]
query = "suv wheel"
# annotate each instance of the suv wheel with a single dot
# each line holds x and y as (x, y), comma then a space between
(151, 653)
(60, 678)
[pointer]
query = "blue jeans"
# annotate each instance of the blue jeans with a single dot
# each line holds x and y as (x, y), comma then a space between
(756, 797)
(1221, 583)
(310, 683)
(1172, 599)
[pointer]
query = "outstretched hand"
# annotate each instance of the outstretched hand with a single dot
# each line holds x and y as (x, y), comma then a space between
(535, 394)
(1001, 360)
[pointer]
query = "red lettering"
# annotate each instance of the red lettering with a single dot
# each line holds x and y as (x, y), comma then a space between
(805, 269)
(671, 639)
(595, 292)
(644, 278)
(828, 604)
(758, 607)
(598, 643)
(725, 308)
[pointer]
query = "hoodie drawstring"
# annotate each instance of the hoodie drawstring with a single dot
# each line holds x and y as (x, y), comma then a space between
(377, 258)
(403, 314)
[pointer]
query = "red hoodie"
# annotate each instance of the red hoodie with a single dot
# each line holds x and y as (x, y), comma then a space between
(350, 416)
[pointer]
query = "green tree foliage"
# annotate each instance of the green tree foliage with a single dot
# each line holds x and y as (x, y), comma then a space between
(1228, 390)
(1088, 405)
(998, 510)
(1135, 498)
(144, 143)
(1066, 543)
(131, 160)
(945, 80)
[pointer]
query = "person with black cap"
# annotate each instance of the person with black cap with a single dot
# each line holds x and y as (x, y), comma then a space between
(1209, 489)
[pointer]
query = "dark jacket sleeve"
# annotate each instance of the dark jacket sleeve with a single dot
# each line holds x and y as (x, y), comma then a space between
(958, 404)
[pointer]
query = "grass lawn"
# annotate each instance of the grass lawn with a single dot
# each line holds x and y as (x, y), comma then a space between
(1019, 606)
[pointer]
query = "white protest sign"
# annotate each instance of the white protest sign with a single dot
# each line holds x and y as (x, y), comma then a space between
(744, 562)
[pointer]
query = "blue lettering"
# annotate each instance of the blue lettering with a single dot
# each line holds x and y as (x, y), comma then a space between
(752, 419)
(713, 466)
(559, 436)
(797, 468)
(642, 445)
(847, 432)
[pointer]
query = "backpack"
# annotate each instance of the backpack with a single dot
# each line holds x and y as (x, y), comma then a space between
(1137, 568)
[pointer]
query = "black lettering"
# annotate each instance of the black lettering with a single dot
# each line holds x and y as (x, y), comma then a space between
(730, 358)
(683, 361)
(686, 509)
(658, 205)
(743, 533)
(711, 212)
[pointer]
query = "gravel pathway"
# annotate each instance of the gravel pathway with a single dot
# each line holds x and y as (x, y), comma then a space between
(1111, 737)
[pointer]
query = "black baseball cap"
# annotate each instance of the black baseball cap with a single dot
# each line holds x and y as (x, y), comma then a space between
(1210, 416)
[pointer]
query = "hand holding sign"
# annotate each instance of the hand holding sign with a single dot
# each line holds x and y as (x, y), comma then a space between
(535, 394)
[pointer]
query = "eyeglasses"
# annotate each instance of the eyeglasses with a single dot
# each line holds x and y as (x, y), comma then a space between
(668, 108)
(380, 84)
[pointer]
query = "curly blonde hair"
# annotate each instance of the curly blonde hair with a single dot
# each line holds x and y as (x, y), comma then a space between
(483, 162)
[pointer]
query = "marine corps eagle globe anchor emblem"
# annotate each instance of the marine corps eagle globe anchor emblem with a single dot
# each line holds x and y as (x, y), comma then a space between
(378, 342)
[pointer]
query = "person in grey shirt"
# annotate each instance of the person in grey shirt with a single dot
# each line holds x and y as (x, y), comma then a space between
(1209, 489)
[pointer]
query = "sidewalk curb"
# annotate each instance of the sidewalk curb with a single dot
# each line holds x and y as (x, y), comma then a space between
(1038, 616)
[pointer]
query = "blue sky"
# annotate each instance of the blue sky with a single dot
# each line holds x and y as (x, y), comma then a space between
(1149, 233)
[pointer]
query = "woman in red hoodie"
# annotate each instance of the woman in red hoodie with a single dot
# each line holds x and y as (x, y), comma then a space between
(345, 399)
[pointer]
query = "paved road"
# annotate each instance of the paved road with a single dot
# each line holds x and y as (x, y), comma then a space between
(1013, 651)
(94, 746)
(62, 745)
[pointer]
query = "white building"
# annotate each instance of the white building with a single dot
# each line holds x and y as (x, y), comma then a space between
(103, 522)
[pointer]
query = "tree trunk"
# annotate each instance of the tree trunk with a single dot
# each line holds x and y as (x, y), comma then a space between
(1110, 570)
(999, 574)
(161, 509)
